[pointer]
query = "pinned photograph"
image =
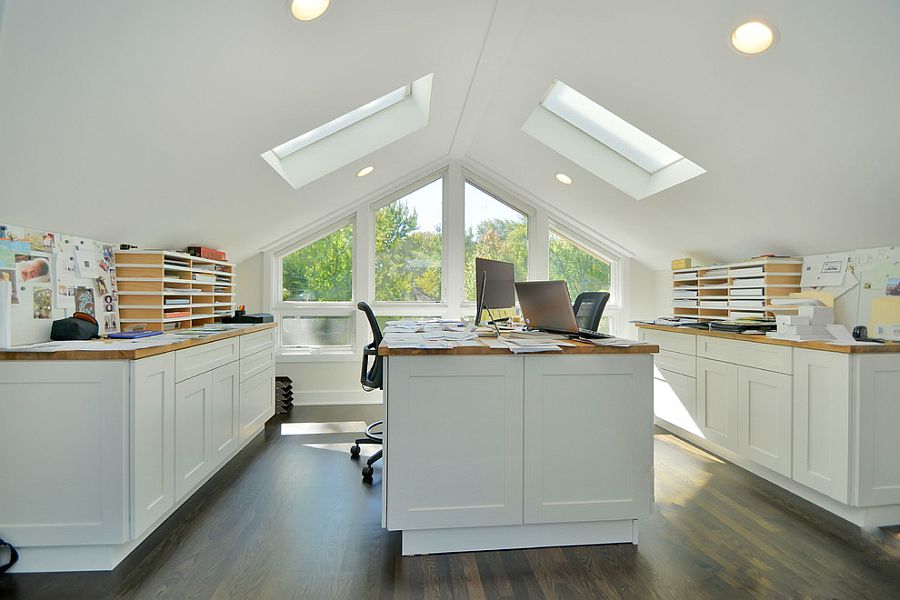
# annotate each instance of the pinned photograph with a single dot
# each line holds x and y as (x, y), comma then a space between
(10, 276)
(43, 298)
(32, 269)
(40, 241)
(102, 287)
(110, 323)
(893, 286)
(84, 300)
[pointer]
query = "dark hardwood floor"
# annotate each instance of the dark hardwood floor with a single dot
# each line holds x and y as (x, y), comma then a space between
(290, 518)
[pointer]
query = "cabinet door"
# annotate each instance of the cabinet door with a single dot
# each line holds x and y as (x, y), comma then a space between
(588, 438)
(153, 440)
(718, 406)
(454, 441)
(225, 393)
(675, 399)
(764, 418)
(193, 424)
(877, 379)
(822, 421)
(257, 404)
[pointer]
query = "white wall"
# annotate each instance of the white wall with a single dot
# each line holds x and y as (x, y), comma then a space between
(250, 283)
(642, 297)
(334, 382)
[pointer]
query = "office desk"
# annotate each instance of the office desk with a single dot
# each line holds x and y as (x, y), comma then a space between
(488, 450)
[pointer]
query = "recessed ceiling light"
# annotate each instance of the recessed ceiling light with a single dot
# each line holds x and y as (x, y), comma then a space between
(365, 171)
(752, 37)
(563, 178)
(307, 10)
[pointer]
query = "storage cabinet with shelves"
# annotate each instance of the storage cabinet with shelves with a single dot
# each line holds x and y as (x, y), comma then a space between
(164, 290)
(734, 290)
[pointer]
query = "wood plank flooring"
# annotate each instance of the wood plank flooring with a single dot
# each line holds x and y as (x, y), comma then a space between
(290, 518)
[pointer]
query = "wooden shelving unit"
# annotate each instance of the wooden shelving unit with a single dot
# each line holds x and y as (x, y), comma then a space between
(734, 290)
(165, 290)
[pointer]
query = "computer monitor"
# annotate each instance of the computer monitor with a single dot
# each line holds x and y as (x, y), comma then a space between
(494, 285)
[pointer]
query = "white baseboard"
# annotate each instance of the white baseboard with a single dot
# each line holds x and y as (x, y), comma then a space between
(335, 397)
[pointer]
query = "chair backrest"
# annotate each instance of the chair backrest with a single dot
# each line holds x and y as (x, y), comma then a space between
(588, 309)
(372, 376)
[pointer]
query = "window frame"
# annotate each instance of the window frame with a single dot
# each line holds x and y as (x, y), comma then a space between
(415, 307)
(613, 308)
(541, 220)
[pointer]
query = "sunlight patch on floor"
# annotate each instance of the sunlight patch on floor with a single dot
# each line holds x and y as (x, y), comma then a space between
(323, 428)
(674, 440)
(365, 450)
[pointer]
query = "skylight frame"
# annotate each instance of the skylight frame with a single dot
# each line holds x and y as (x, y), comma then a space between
(342, 122)
(614, 132)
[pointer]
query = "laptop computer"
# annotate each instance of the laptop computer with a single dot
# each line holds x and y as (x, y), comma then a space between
(546, 306)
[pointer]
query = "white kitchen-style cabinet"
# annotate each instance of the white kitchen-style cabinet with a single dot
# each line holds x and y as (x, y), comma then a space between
(764, 418)
(225, 409)
(193, 432)
(459, 461)
(501, 451)
(822, 422)
(717, 399)
(152, 442)
(571, 473)
(257, 404)
(816, 419)
(106, 447)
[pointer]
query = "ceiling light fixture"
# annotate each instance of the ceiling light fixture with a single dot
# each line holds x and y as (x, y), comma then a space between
(365, 171)
(563, 178)
(752, 37)
(307, 10)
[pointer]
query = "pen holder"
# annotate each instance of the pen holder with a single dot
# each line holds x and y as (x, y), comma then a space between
(239, 313)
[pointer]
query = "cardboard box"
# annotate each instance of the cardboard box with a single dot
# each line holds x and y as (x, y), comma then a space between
(681, 263)
(204, 252)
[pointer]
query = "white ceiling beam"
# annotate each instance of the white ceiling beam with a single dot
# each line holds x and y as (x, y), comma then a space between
(507, 22)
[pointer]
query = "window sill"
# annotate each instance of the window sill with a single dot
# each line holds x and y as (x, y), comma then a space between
(287, 356)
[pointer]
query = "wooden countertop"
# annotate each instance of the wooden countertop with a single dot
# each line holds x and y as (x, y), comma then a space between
(762, 339)
(579, 348)
(132, 354)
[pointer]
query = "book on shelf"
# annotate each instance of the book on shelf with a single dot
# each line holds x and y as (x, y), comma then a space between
(742, 291)
(175, 290)
(170, 326)
(748, 303)
(177, 314)
(716, 273)
(176, 301)
(736, 314)
(201, 278)
(684, 293)
(685, 303)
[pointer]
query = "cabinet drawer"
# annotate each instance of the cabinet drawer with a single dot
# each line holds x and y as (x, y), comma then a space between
(751, 354)
(683, 343)
(257, 363)
(257, 342)
(679, 363)
(200, 359)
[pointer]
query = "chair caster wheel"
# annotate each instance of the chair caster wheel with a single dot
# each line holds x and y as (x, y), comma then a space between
(367, 472)
(354, 451)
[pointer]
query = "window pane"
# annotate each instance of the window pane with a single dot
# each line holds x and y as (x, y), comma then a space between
(321, 271)
(495, 231)
(305, 332)
(580, 268)
(408, 247)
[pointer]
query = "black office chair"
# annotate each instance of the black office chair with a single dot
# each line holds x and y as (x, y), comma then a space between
(371, 379)
(588, 309)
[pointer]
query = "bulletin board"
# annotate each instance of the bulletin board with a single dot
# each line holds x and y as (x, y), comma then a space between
(53, 275)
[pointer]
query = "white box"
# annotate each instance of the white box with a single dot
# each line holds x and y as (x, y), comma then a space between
(791, 320)
(817, 315)
(795, 329)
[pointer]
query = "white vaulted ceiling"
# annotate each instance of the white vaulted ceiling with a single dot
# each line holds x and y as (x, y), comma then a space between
(144, 122)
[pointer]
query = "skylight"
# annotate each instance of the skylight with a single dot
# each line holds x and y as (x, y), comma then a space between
(354, 116)
(354, 135)
(606, 145)
(609, 129)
